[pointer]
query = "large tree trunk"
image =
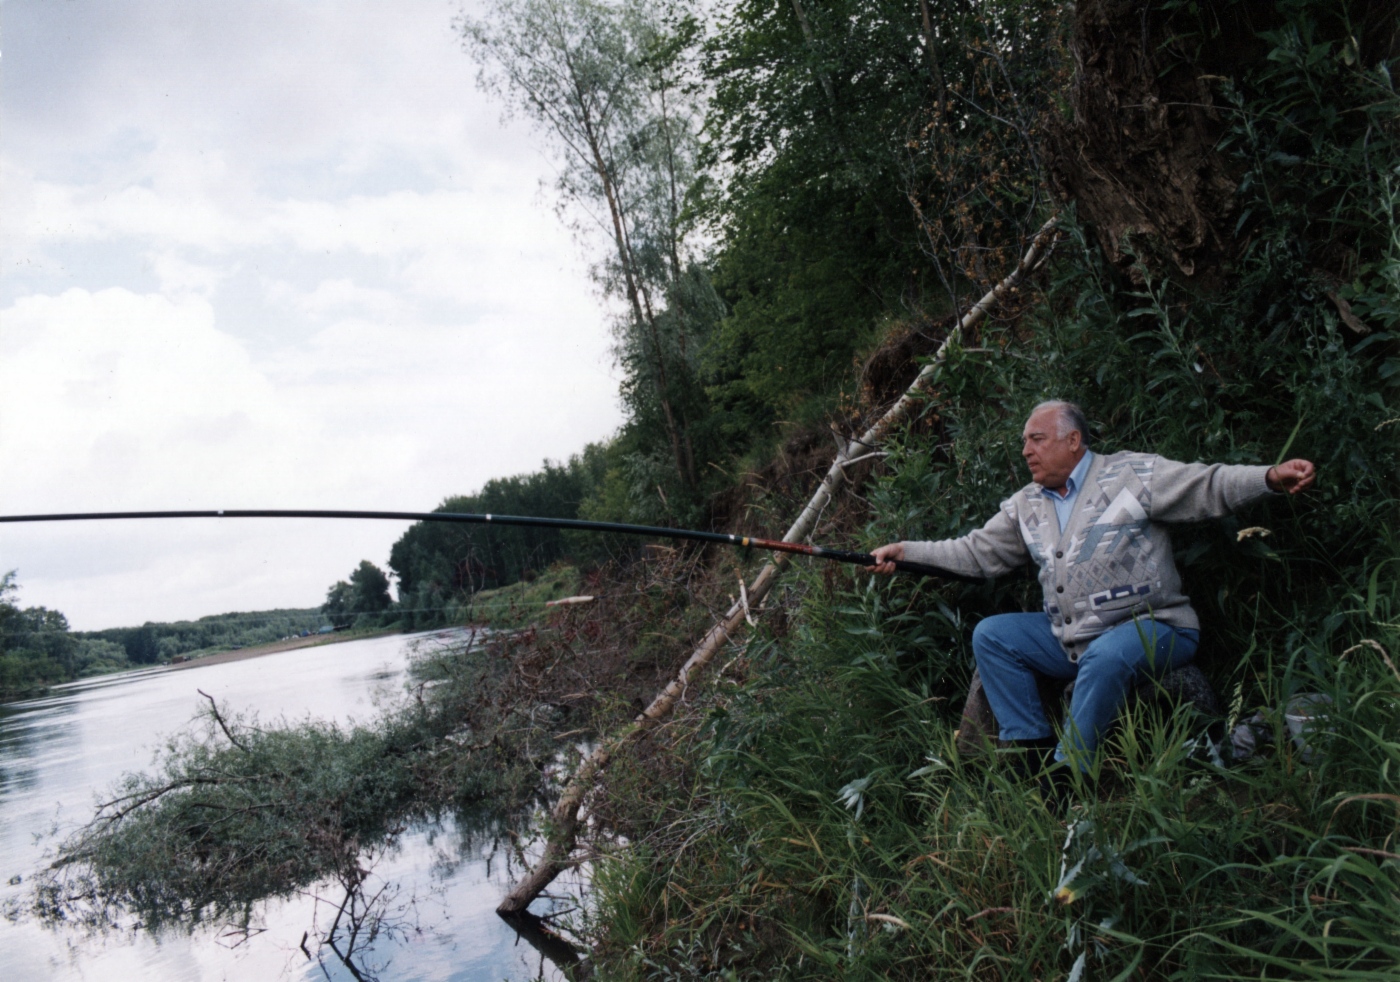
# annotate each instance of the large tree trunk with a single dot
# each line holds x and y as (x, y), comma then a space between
(1139, 156)
(560, 844)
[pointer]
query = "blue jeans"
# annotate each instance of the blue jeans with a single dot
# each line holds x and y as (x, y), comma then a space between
(1012, 648)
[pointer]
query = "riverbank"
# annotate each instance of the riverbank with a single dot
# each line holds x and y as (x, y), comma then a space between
(512, 607)
(274, 647)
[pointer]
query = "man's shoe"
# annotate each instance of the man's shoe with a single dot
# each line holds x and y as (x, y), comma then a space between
(1032, 756)
(1057, 786)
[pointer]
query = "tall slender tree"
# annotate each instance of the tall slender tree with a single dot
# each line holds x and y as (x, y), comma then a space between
(605, 82)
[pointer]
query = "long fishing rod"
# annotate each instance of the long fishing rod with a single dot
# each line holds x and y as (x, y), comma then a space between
(577, 524)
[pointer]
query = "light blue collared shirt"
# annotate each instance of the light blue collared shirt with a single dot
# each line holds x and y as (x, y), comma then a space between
(1065, 505)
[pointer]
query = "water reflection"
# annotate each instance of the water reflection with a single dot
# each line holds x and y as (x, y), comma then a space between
(394, 918)
(422, 908)
(25, 744)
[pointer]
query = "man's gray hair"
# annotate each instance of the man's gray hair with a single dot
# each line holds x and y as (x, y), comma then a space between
(1068, 417)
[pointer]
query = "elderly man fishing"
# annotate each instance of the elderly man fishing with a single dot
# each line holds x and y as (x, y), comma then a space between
(1114, 606)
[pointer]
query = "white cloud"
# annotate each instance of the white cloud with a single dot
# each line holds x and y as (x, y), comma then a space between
(272, 254)
(266, 80)
(342, 295)
(113, 383)
(381, 225)
(180, 278)
(118, 401)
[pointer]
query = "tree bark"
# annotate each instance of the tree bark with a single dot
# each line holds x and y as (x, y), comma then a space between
(636, 294)
(810, 38)
(931, 52)
(560, 843)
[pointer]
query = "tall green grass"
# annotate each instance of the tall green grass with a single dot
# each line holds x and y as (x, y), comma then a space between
(835, 832)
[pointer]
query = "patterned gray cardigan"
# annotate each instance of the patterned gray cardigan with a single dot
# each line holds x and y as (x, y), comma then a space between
(1113, 560)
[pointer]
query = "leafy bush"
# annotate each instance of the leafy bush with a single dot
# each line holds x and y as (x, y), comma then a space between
(238, 811)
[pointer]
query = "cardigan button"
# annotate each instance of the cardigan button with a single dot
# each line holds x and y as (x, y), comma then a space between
(1059, 555)
(1059, 589)
(1069, 620)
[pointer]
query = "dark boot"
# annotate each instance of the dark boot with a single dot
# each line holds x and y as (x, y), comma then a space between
(1032, 756)
(1057, 786)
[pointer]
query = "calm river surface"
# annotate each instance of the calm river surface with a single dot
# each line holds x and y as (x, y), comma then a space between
(58, 754)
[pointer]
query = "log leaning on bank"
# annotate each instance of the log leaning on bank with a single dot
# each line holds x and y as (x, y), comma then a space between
(559, 845)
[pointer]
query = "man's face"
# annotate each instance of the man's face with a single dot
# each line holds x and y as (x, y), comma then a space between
(1050, 457)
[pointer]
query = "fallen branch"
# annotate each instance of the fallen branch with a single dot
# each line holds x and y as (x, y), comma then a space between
(560, 844)
(218, 718)
(132, 802)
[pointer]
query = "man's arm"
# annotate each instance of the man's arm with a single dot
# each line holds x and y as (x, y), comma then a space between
(1192, 492)
(992, 550)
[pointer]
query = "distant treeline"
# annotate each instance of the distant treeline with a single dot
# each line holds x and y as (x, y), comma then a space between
(153, 643)
(38, 650)
(439, 565)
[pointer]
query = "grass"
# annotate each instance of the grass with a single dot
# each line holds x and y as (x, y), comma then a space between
(833, 832)
(522, 603)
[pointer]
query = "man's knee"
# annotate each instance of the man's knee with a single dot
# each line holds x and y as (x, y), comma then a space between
(989, 637)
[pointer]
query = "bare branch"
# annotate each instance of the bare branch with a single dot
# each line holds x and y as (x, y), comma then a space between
(218, 718)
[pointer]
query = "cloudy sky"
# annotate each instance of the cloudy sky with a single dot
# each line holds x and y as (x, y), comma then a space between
(266, 253)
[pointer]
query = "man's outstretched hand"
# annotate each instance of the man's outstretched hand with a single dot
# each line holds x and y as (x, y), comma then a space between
(1291, 476)
(886, 557)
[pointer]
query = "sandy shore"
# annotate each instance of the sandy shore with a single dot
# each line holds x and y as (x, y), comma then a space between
(272, 648)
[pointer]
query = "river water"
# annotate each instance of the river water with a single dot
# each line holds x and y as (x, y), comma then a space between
(60, 753)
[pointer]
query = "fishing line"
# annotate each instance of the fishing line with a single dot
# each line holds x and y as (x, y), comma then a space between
(527, 521)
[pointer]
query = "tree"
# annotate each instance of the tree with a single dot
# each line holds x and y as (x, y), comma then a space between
(339, 607)
(9, 612)
(36, 648)
(607, 82)
(438, 564)
(142, 647)
(880, 161)
(371, 589)
(367, 593)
